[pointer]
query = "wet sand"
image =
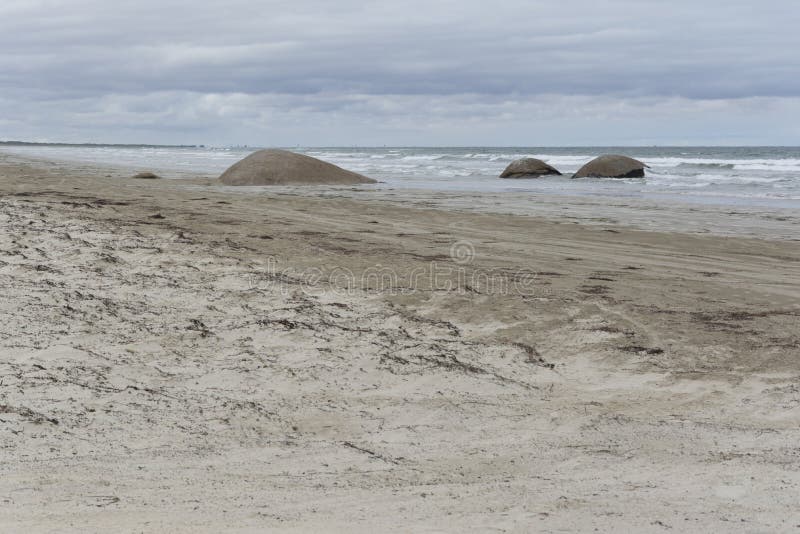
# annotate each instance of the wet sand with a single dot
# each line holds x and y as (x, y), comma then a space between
(180, 357)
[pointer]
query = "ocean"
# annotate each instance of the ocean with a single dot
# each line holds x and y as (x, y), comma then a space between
(750, 176)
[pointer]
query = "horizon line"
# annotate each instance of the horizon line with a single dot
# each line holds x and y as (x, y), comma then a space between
(199, 145)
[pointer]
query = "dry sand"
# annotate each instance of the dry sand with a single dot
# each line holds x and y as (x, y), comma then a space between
(179, 358)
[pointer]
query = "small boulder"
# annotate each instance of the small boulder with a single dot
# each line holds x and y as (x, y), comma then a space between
(612, 166)
(281, 167)
(147, 176)
(526, 167)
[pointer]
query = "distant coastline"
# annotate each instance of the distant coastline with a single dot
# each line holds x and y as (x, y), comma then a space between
(96, 145)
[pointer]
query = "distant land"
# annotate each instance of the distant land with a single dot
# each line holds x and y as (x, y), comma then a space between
(102, 145)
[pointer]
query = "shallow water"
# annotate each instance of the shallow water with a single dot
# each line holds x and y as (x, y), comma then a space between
(743, 176)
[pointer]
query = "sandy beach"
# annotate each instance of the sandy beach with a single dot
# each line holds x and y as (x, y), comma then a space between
(175, 356)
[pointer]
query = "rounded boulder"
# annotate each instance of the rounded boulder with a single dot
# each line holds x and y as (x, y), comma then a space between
(528, 167)
(612, 166)
(147, 176)
(281, 167)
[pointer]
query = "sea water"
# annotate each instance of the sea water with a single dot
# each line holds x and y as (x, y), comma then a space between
(750, 176)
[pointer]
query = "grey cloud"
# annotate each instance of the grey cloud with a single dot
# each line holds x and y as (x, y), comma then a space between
(363, 119)
(719, 49)
(185, 61)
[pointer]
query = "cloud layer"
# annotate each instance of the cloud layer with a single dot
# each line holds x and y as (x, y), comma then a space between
(348, 72)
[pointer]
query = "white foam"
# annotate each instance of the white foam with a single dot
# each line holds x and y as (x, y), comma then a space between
(726, 174)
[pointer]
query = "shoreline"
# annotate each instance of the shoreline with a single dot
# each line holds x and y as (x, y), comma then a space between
(667, 214)
(182, 357)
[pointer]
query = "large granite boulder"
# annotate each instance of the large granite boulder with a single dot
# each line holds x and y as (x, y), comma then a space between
(527, 167)
(612, 166)
(281, 167)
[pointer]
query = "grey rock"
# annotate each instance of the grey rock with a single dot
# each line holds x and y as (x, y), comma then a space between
(528, 167)
(612, 166)
(281, 167)
(147, 176)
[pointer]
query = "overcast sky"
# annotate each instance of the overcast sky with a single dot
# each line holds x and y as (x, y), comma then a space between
(433, 72)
